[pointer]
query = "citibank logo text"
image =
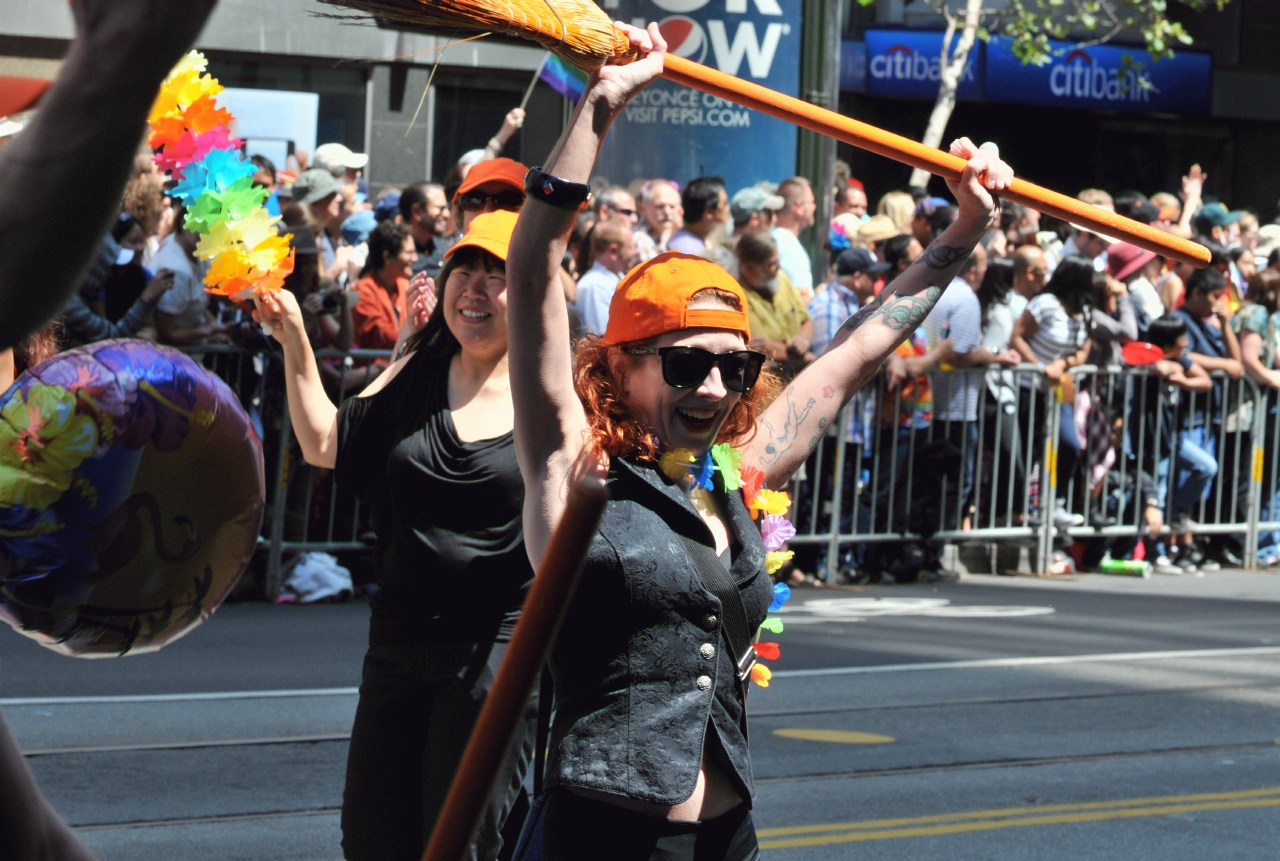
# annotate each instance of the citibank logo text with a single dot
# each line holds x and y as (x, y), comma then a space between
(901, 63)
(1079, 77)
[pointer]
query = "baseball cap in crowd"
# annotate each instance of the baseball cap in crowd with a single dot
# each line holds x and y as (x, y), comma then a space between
(488, 231)
(20, 94)
(358, 226)
(314, 184)
(387, 206)
(877, 228)
(854, 260)
(748, 201)
(654, 299)
(1217, 215)
(1268, 240)
(504, 171)
(1124, 259)
(930, 205)
(337, 159)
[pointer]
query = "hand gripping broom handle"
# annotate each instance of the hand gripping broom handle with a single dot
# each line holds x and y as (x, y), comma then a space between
(944, 164)
(544, 608)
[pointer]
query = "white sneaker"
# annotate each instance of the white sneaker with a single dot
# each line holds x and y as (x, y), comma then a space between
(1064, 519)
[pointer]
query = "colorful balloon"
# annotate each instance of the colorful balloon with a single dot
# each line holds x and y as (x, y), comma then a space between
(131, 497)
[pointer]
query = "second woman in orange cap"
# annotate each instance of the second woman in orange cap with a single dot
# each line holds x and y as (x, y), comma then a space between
(429, 445)
(648, 753)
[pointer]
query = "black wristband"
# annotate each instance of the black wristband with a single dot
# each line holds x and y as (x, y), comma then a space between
(557, 192)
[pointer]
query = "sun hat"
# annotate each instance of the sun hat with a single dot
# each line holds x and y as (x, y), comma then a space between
(1124, 259)
(877, 228)
(501, 170)
(489, 231)
(654, 299)
(314, 184)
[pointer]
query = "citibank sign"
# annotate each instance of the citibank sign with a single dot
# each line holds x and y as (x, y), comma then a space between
(902, 63)
(1080, 77)
(1102, 77)
(906, 64)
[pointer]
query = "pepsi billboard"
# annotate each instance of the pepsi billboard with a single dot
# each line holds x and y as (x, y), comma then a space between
(680, 133)
(1098, 78)
(905, 64)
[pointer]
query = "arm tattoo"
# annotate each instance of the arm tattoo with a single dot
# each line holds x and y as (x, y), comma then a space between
(900, 313)
(944, 256)
(781, 440)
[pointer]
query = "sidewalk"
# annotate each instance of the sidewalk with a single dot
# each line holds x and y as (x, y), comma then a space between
(1228, 584)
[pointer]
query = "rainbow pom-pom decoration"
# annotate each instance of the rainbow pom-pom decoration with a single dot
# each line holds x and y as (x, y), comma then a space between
(192, 140)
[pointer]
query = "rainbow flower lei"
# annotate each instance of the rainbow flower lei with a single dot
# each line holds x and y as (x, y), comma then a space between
(192, 140)
(682, 465)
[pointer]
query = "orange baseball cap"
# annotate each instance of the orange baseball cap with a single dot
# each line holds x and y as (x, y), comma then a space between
(490, 231)
(654, 299)
(20, 94)
(503, 170)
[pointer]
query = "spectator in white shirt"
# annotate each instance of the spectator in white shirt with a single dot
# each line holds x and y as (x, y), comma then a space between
(614, 251)
(795, 216)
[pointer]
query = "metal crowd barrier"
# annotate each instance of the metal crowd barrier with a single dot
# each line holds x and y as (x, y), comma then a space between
(296, 491)
(876, 478)
(883, 474)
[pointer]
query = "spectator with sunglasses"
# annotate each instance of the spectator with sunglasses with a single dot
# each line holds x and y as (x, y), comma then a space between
(489, 186)
(425, 211)
(648, 747)
(616, 204)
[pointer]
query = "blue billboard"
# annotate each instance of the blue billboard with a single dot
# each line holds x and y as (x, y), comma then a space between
(679, 133)
(1097, 78)
(904, 64)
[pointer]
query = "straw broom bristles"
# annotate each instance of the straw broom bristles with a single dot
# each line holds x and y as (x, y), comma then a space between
(577, 30)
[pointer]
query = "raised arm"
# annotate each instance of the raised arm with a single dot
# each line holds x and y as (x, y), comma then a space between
(794, 423)
(551, 427)
(80, 147)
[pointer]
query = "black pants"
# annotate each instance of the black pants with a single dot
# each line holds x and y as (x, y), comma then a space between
(582, 829)
(418, 705)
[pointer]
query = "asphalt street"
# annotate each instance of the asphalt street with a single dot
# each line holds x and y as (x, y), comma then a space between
(1017, 718)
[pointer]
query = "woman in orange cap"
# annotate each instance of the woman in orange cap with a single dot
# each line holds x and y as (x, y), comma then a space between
(649, 750)
(429, 445)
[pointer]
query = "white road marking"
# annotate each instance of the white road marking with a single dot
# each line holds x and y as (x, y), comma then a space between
(180, 698)
(1051, 660)
(819, 610)
(1047, 661)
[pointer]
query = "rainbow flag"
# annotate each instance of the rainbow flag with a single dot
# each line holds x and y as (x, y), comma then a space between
(563, 78)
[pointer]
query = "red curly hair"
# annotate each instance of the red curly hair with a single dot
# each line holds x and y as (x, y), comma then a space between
(615, 432)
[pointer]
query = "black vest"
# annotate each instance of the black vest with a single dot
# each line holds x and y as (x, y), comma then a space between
(636, 686)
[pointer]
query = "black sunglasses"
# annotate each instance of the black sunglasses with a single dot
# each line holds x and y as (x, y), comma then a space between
(687, 367)
(508, 200)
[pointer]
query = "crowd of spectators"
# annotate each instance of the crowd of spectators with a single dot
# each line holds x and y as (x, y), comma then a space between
(1037, 299)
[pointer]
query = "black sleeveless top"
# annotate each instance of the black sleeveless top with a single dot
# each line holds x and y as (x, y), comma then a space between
(450, 554)
(637, 690)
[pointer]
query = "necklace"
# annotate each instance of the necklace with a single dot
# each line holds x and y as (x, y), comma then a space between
(696, 475)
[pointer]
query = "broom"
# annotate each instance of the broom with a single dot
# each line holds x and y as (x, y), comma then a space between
(582, 34)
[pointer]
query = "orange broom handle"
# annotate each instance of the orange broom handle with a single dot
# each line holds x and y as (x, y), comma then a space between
(544, 609)
(936, 161)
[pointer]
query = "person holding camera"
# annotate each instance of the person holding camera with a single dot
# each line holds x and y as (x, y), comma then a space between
(384, 287)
